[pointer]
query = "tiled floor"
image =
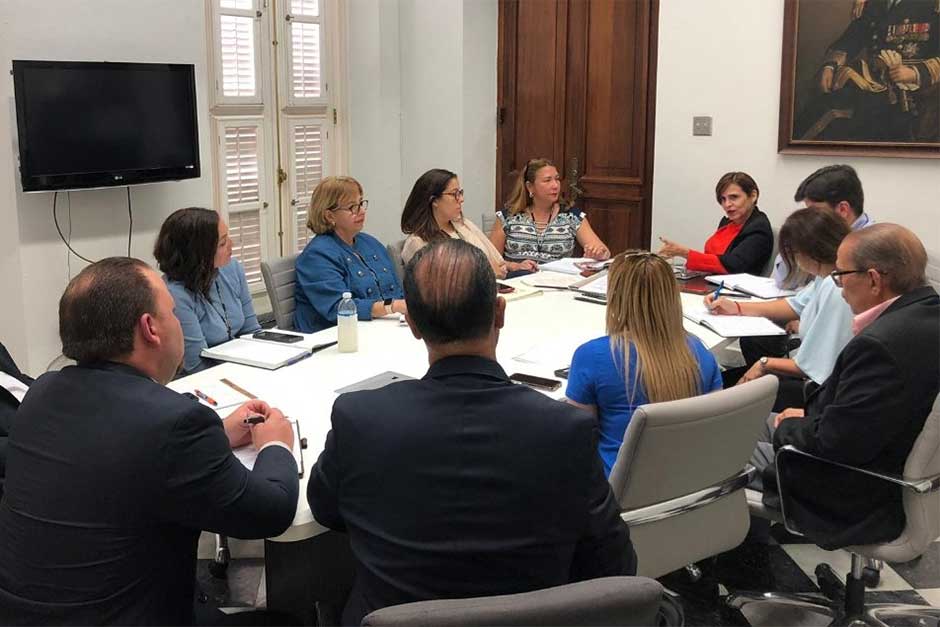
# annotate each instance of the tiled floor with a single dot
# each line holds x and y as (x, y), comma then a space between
(785, 565)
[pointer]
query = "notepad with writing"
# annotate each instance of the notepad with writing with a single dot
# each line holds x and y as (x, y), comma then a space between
(732, 326)
(759, 286)
(268, 355)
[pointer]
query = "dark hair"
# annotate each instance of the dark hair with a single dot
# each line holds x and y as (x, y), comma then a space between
(832, 184)
(100, 309)
(814, 234)
(186, 246)
(741, 179)
(418, 216)
(450, 290)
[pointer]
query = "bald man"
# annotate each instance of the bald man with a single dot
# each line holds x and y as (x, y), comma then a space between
(874, 404)
(464, 484)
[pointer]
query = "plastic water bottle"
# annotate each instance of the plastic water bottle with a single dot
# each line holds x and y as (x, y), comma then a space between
(347, 320)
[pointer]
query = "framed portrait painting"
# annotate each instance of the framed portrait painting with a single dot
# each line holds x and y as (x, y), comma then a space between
(861, 77)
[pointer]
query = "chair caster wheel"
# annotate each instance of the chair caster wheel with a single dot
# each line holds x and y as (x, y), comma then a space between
(218, 567)
(871, 577)
(693, 572)
(829, 582)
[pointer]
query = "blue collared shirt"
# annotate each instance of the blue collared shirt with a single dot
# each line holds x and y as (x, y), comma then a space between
(225, 314)
(328, 266)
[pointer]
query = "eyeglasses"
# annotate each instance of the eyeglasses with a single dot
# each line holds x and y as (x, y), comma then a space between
(838, 274)
(457, 194)
(356, 208)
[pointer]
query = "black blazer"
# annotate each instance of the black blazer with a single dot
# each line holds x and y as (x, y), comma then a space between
(110, 478)
(750, 250)
(8, 406)
(867, 414)
(464, 484)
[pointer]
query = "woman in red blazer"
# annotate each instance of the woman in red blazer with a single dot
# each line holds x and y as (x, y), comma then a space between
(743, 241)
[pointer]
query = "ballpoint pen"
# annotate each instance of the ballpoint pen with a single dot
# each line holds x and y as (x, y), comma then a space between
(254, 420)
(206, 398)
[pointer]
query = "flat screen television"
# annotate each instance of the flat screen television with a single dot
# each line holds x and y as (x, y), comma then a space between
(94, 124)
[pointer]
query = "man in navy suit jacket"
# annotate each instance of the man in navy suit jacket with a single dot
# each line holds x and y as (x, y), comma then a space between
(9, 402)
(462, 483)
(111, 476)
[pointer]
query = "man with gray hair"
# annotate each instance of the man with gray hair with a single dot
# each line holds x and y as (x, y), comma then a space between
(873, 406)
(463, 484)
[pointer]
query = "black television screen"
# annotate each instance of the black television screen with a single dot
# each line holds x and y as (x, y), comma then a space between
(84, 124)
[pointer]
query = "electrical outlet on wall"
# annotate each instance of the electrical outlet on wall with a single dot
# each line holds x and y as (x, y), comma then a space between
(702, 125)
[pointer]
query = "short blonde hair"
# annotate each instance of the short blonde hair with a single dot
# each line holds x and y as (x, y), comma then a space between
(325, 197)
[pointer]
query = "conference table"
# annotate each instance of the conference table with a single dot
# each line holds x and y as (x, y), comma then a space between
(540, 335)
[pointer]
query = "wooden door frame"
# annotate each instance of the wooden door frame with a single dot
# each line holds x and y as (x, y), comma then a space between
(506, 114)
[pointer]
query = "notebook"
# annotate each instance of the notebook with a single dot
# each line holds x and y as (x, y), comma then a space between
(270, 355)
(574, 265)
(732, 326)
(759, 286)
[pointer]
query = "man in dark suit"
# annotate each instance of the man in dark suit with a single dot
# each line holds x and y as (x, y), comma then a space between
(873, 406)
(464, 484)
(111, 476)
(13, 386)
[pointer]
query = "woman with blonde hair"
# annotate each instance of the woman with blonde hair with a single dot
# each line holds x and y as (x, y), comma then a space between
(537, 225)
(434, 211)
(646, 356)
(341, 258)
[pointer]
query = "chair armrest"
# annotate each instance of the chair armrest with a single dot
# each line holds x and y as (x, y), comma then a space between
(689, 502)
(923, 485)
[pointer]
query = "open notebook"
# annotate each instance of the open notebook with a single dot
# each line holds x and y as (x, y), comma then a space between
(270, 355)
(733, 326)
(759, 286)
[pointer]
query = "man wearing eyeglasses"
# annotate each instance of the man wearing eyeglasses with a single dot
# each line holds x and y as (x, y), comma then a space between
(873, 406)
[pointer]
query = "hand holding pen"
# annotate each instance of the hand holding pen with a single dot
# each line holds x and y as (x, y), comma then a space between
(718, 305)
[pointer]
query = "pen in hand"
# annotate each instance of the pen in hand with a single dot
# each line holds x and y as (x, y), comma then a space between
(254, 420)
(207, 399)
(713, 306)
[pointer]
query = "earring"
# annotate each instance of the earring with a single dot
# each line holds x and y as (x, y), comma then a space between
(530, 194)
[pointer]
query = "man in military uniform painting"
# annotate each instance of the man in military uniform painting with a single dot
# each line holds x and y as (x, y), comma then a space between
(880, 81)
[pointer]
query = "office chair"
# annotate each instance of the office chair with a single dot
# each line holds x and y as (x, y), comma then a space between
(280, 279)
(394, 251)
(605, 601)
(840, 603)
(681, 472)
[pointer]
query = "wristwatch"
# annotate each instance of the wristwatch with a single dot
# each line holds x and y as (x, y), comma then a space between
(388, 306)
(763, 363)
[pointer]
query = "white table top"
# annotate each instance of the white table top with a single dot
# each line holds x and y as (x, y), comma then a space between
(545, 329)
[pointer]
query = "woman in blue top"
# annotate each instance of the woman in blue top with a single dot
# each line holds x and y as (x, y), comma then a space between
(646, 356)
(342, 259)
(209, 288)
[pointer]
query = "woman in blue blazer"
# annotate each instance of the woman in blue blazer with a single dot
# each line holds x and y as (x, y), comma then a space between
(341, 258)
(213, 302)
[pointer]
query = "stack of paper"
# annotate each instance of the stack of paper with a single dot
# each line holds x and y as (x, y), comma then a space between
(759, 286)
(521, 291)
(732, 326)
(574, 265)
(270, 355)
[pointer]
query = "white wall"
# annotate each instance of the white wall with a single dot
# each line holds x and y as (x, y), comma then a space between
(422, 85)
(722, 58)
(35, 268)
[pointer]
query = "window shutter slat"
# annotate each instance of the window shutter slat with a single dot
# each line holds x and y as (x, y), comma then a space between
(305, 60)
(241, 165)
(244, 229)
(307, 143)
(238, 55)
(310, 8)
(239, 5)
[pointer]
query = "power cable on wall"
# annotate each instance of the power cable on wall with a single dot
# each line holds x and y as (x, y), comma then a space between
(55, 218)
(130, 221)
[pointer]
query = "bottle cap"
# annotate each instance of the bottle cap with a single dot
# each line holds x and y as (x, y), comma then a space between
(347, 294)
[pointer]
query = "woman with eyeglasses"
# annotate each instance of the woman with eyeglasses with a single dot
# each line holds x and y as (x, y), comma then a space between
(209, 288)
(646, 356)
(537, 225)
(434, 210)
(808, 240)
(744, 240)
(341, 258)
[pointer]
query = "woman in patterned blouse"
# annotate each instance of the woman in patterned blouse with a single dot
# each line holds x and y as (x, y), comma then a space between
(536, 226)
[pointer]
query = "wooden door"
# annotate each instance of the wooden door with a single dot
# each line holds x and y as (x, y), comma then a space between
(577, 85)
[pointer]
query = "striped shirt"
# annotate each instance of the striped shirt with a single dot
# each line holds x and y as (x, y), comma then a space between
(523, 241)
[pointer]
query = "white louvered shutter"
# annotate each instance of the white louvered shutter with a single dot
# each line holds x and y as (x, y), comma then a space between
(306, 139)
(304, 50)
(238, 52)
(242, 173)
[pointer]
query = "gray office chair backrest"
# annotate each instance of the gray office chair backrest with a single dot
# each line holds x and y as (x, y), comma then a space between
(921, 510)
(280, 279)
(394, 251)
(933, 270)
(607, 601)
(679, 475)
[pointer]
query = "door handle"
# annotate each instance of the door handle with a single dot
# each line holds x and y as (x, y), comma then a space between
(573, 177)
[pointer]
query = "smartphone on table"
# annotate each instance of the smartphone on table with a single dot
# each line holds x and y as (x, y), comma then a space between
(502, 288)
(541, 383)
(274, 336)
